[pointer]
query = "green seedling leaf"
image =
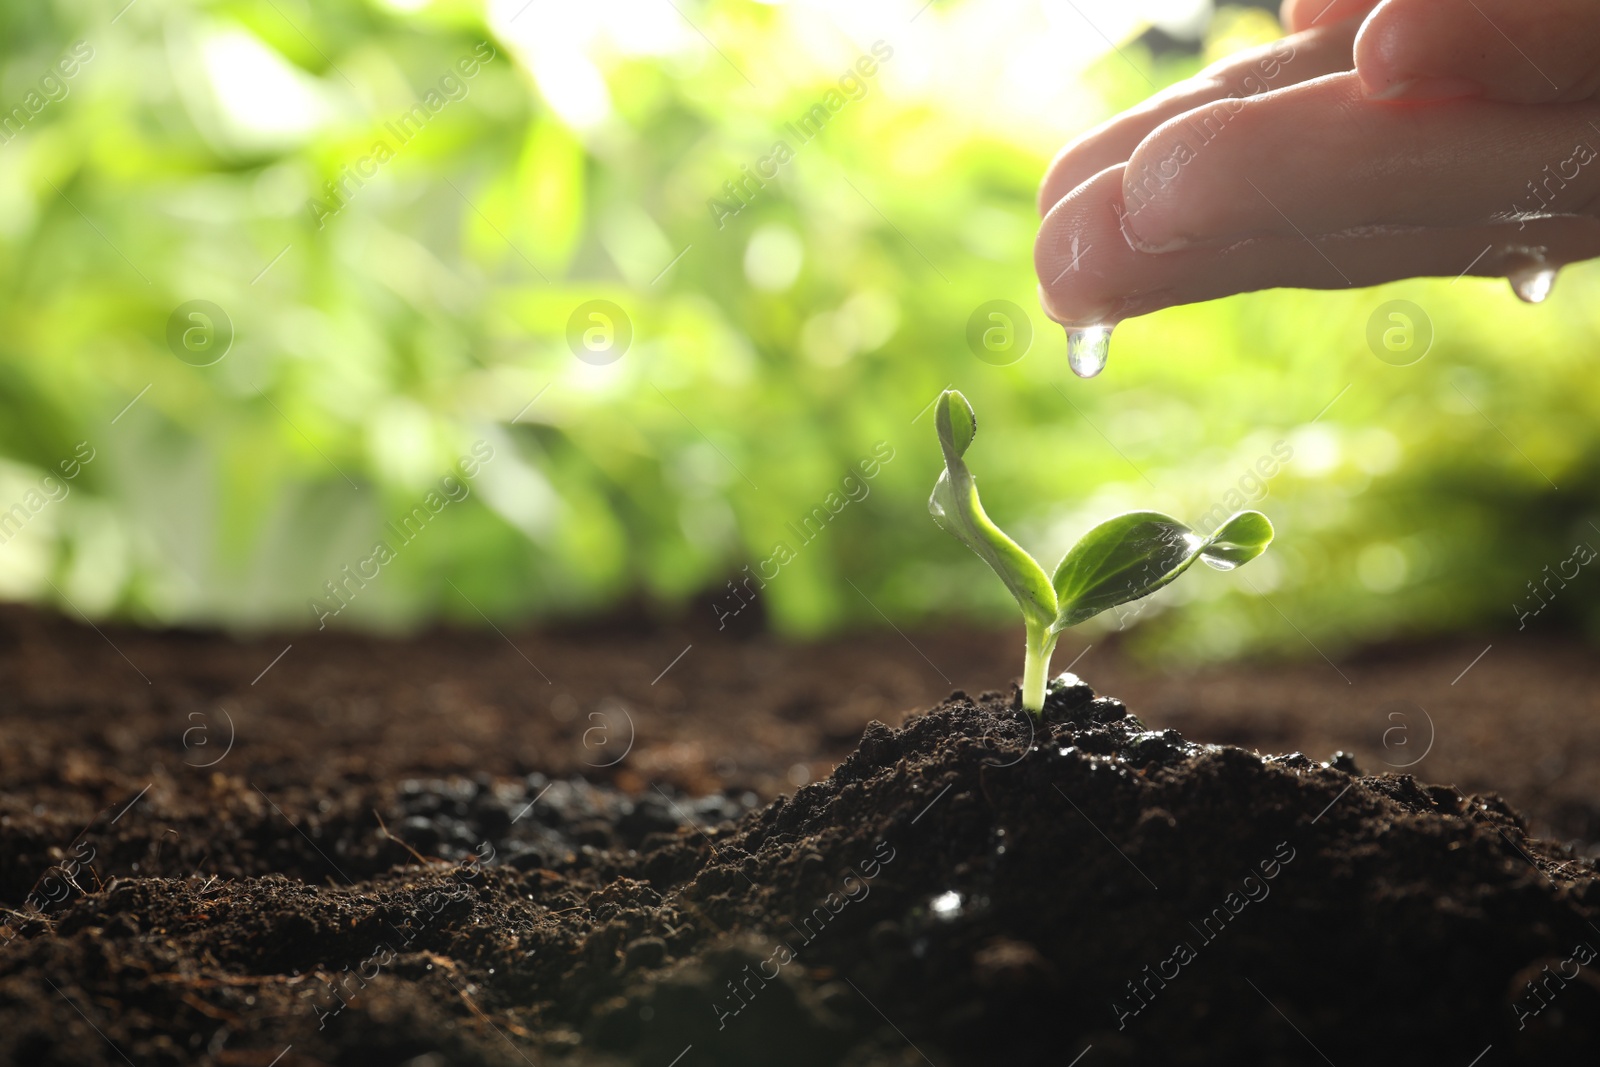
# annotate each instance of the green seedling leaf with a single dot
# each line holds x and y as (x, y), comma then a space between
(1122, 559)
(1133, 555)
(1239, 540)
(955, 507)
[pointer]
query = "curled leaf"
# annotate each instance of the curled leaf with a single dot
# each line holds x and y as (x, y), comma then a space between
(1239, 540)
(957, 424)
(956, 508)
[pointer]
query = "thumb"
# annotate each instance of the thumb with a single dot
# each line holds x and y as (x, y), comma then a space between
(1518, 51)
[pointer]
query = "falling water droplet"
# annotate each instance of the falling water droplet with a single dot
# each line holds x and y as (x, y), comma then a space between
(1087, 349)
(1530, 273)
(1532, 282)
(947, 905)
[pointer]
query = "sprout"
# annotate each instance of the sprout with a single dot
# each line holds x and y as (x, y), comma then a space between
(1122, 559)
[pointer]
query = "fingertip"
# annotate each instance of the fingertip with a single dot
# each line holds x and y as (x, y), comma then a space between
(1386, 55)
(1247, 73)
(1087, 155)
(1147, 221)
(1374, 54)
(1294, 15)
(1170, 183)
(1079, 233)
(1425, 50)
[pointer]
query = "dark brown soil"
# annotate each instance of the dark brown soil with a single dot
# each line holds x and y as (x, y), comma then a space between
(423, 852)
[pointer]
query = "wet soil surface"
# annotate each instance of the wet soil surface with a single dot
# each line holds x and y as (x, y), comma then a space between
(424, 852)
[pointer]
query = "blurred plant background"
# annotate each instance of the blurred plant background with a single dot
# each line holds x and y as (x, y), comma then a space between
(382, 325)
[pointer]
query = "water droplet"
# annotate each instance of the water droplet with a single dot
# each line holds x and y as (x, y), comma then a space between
(1087, 349)
(947, 905)
(1532, 284)
(1530, 274)
(1217, 562)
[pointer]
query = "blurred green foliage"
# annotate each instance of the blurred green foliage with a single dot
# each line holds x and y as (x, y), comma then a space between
(426, 306)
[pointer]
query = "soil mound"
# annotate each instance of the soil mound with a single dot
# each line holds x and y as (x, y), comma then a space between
(974, 887)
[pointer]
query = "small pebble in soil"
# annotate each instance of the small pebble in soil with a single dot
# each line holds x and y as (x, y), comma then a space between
(1158, 747)
(1096, 742)
(1107, 709)
(1064, 696)
(1344, 761)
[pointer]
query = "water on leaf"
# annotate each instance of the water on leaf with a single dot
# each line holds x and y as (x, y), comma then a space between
(1087, 349)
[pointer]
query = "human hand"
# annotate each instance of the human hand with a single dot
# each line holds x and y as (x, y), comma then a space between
(1376, 141)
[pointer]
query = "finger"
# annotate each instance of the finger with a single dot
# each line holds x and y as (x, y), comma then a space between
(1088, 274)
(1297, 58)
(1297, 15)
(1452, 163)
(1514, 50)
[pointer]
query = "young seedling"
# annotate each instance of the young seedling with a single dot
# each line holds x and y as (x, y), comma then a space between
(1122, 559)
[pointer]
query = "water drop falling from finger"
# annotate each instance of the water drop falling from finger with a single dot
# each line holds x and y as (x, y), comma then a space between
(1532, 284)
(1087, 349)
(1531, 275)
